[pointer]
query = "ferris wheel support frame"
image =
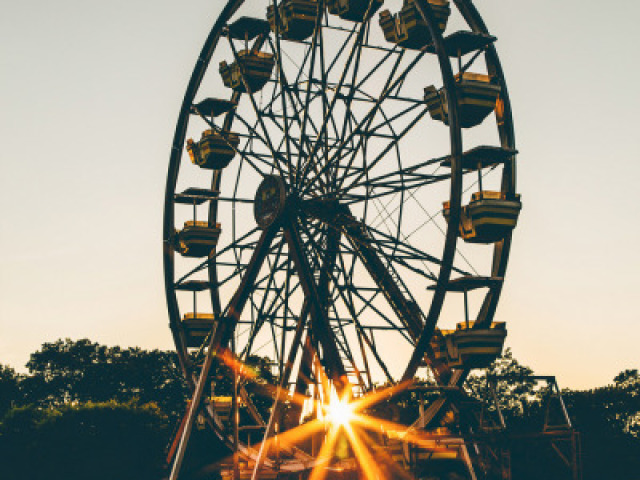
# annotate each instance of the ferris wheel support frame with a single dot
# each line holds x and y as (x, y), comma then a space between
(221, 336)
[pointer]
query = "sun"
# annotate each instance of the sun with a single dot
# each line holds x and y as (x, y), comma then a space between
(339, 412)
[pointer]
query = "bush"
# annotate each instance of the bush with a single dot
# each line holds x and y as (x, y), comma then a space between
(88, 441)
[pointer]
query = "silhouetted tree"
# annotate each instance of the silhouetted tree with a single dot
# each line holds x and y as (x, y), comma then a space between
(98, 441)
(9, 389)
(68, 377)
(516, 394)
(628, 412)
(79, 371)
(607, 418)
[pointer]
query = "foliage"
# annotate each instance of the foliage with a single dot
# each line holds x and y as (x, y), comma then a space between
(80, 371)
(402, 407)
(104, 440)
(607, 419)
(516, 394)
(628, 411)
(9, 388)
(86, 410)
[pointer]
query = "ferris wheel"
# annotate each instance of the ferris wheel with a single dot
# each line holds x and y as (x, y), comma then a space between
(339, 208)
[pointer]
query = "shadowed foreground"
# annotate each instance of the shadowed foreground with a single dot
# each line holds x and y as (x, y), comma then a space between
(86, 411)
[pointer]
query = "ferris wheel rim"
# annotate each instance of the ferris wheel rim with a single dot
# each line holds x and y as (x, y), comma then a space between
(456, 177)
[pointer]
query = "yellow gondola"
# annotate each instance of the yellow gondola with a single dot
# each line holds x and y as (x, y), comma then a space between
(407, 28)
(297, 18)
(256, 66)
(222, 405)
(489, 217)
(468, 347)
(214, 150)
(353, 10)
(196, 327)
(477, 98)
(197, 239)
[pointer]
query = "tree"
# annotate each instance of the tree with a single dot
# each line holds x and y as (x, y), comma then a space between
(79, 371)
(9, 389)
(516, 394)
(628, 411)
(101, 441)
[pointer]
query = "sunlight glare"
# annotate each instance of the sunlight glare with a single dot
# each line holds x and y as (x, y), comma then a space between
(339, 411)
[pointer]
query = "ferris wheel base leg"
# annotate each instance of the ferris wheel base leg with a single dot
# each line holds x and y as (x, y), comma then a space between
(192, 413)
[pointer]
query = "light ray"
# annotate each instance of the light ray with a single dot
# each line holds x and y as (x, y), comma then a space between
(325, 455)
(365, 460)
(340, 415)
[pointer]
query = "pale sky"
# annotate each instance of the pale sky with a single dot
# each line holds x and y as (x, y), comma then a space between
(89, 97)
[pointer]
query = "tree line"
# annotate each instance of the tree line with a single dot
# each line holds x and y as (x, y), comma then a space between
(86, 410)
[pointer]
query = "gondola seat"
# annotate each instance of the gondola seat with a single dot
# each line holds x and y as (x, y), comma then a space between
(439, 347)
(489, 217)
(297, 18)
(214, 150)
(353, 10)
(197, 239)
(407, 28)
(477, 98)
(196, 327)
(257, 67)
(222, 406)
(468, 347)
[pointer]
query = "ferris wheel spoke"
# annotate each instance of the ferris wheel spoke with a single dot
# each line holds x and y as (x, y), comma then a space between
(325, 84)
(296, 103)
(350, 168)
(231, 314)
(281, 389)
(298, 144)
(385, 215)
(336, 154)
(249, 149)
(388, 121)
(234, 245)
(393, 143)
(352, 289)
(292, 92)
(349, 302)
(406, 251)
(312, 64)
(319, 323)
(384, 276)
(431, 219)
(329, 113)
(396, 177)
(256, 109)
(376, 67)
(390, 284)
(270, 314)
(329, 253)
(255, 327)
(352, 87)
(348, 117)
(366, 121)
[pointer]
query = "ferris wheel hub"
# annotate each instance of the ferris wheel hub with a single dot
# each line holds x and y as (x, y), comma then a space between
(270, 200)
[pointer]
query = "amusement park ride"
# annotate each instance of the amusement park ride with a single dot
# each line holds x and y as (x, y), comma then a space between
(353, 167)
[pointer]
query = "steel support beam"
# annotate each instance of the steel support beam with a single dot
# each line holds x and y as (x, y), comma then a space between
(319, 321)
